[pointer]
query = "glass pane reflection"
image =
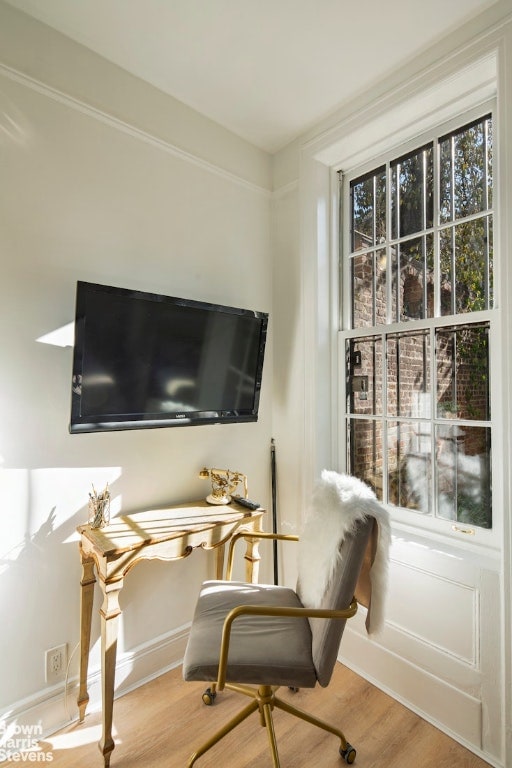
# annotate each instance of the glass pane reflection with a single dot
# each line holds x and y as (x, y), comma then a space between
(410, 465)
(463, 470)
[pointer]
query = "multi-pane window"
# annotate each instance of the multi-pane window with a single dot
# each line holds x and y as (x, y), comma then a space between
(420, 270)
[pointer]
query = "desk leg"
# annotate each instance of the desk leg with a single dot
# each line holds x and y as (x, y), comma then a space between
(109, 612)
(219, 562)
(252, 555)
(86, 601)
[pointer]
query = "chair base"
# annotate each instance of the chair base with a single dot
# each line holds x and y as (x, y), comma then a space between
(264, 700)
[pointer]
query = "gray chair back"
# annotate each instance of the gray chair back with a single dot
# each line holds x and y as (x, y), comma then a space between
(327, 633)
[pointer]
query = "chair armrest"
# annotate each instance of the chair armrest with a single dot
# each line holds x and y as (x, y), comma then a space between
(252, 535)
(270, 610)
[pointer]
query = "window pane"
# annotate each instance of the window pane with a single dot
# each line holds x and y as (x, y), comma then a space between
(445, 180)
(463, 468)
(462, 357)
(470, 164)
(466, 249)
(380, 206)
(408, 375)
(396, 302)
(446, 270)
(368, 210)
(412, 193)
(471, 261)
(362, 290)
(362, 214)
(365, 371)
(409, 465)
(365, 452)
(369, 290)
(465, 171)
(415, 262)
(381, 298)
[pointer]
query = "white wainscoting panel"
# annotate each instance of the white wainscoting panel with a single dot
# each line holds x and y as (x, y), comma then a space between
(434, 608)
(439, 652)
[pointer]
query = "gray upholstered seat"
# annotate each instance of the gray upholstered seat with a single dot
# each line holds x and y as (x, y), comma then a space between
(261, 648)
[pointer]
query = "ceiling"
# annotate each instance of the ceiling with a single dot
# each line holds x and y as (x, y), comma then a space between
(267, 70)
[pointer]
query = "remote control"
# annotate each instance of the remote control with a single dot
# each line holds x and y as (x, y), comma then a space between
(246, 502)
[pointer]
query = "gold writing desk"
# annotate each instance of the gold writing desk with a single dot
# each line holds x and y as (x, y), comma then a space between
(163, 534)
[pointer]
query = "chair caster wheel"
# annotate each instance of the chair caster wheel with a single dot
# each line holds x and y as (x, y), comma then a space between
(209, 697)
(348, 754)
(293, 689)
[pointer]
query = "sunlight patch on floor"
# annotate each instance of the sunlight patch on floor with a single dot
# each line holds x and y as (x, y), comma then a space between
(78, 737)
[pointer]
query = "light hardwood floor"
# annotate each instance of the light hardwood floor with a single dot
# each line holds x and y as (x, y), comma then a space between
(161, 723)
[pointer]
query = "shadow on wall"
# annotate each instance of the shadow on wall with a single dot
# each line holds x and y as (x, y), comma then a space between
(39, 569)
(31, 548)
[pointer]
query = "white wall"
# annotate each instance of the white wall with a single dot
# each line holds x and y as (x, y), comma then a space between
(288, 396)
(104, 179)
(455, 668)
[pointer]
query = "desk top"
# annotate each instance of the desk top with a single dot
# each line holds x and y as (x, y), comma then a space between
(132, 531)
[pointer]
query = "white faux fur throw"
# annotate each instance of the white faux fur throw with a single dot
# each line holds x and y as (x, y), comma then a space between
(339, 501)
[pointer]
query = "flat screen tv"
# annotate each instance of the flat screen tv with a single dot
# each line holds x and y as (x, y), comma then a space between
(145, 360)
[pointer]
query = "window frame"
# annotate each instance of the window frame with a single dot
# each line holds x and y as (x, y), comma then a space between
(407, 518)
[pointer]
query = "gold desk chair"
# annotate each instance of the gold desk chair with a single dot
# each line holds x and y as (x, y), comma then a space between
(246, 635)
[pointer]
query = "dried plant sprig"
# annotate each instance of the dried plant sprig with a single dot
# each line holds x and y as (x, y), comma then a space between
(99, 507)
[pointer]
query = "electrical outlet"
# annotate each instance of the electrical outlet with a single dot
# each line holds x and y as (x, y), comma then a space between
(56, 660)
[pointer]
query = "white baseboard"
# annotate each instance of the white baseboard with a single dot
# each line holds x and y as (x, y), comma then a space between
(53, 708)
(449, 709)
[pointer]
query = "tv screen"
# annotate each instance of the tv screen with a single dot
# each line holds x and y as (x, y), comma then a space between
(146, 360)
